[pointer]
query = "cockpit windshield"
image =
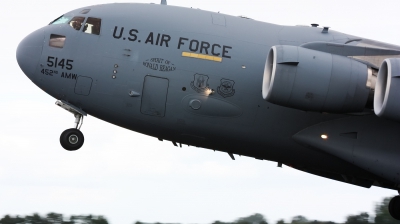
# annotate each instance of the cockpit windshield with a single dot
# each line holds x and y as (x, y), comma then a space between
(91, 26)
(61, 20)
(77, 22)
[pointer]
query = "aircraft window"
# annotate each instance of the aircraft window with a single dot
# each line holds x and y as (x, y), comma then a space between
(77, 22)
(92, 26)
(57, 41)
(85, 11)
(61, 20)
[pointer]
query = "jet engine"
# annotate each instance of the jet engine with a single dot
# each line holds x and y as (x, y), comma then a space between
(312, 80)
(387, 91)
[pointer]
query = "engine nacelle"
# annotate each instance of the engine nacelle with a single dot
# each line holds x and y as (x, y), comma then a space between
(312, 80)
(387, 90)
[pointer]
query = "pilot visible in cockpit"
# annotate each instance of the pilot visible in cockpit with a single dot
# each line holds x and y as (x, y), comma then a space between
(77, 22)
(96, 27)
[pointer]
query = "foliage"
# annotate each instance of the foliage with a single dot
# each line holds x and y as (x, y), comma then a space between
(382, 216)
(303, 220)
(53, 218)
(299, 220)
(382, 213)
(381, 210)
(362, 218)
(10, 220)
(252, 219)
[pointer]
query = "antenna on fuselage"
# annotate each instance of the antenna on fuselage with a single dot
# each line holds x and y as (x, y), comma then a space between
(163, 2)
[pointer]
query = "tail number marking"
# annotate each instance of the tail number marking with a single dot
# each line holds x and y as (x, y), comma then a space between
(54, 62)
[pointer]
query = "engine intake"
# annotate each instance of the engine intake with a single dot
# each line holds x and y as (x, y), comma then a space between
(311, 80)
(387, 91)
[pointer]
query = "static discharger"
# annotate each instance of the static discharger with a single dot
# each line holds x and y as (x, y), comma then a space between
(201, 56)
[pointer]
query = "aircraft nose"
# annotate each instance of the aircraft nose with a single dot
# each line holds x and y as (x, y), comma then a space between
(29, 52)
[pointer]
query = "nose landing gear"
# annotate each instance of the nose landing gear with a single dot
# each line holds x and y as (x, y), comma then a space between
(72, 139)
(394, 207)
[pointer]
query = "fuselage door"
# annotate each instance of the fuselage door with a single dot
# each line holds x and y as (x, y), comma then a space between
(154, 96)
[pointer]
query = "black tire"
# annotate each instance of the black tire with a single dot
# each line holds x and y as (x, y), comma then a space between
(72, 139)
(394, 207)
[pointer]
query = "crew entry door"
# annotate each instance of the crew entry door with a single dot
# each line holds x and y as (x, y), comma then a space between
(154, 96)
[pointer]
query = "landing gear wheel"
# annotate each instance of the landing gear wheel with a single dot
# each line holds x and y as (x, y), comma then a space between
(72, 139)
(394, 207)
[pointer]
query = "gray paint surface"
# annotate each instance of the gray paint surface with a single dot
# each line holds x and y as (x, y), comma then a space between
(235, 118)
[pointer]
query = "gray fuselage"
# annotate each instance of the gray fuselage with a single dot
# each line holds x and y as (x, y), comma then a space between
(195, 77)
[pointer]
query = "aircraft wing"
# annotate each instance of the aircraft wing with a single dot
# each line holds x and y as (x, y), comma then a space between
(349, 50)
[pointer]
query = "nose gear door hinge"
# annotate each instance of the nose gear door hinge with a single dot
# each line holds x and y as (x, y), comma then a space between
(77, 112)
(71, 108)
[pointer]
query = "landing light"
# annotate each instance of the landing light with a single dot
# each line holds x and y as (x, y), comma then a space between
(209, 92)
(324, 137)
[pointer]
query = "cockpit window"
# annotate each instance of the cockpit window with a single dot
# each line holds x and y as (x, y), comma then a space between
(57, 41)
(85, 11)
(77, 22)
(92, 26)
(61, 20)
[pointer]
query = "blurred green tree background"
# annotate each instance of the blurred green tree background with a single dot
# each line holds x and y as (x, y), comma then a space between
(381, 216)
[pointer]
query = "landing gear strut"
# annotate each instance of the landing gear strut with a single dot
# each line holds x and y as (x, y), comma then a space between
(394, 207)
(72, 139)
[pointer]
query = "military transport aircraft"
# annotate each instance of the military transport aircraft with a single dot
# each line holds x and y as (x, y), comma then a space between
(314, 99)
